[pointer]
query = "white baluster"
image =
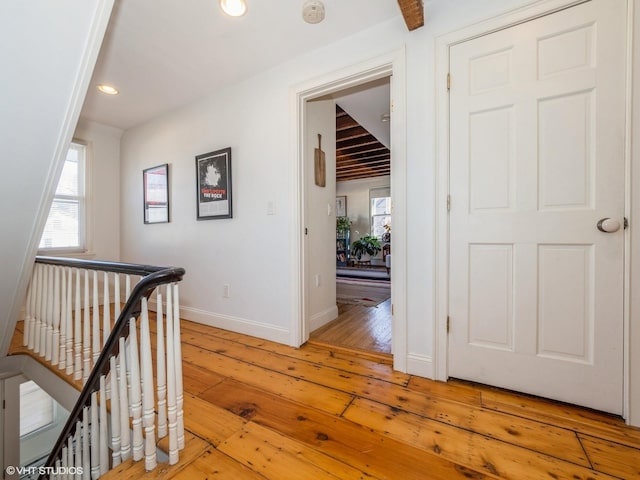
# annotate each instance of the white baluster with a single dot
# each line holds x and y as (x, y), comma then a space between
(35, 307)
(77, 337)
(70, 462)
(127, 287)
(136, 394)
(106, 310)
(171, 384)
(41, 325)
(28, 310)
(63, 463)
(95, 438)
(42, 333)
(116, 298)
(67, 459)
(148, 402)
(62, 352)
(58, 476)
(69, 318)
(115, 414)
(76, 447)
(177, 358)
(55, 319)
(86, 332)
(161, 377)
(125, 442)
(104, 439)
(50, 297)
(96, 344)
(86, 458)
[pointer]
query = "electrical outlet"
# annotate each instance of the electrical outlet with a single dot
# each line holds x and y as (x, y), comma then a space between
(226, 291)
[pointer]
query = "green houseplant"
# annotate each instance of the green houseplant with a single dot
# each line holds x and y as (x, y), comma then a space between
(343, 224)
(366, 245)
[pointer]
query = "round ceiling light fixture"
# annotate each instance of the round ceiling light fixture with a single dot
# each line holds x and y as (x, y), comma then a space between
(108, 89)
(313, 11)
(233, 8)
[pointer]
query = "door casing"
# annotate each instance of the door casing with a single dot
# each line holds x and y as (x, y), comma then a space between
(389, 65)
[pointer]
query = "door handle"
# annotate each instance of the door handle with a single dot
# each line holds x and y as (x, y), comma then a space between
(608, 225)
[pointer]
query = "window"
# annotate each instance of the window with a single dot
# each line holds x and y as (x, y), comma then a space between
(65, 228)
(380, 210)
(37, 408)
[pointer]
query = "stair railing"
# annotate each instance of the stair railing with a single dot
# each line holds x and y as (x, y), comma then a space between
(118, 370)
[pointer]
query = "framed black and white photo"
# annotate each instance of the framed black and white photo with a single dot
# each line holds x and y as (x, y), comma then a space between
(155, 182)
(341, 206)
(213, 172)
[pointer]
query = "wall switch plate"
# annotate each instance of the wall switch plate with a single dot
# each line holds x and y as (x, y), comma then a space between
(271, 207)
(226, 290)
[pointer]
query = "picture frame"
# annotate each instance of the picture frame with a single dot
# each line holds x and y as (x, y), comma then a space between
(341, 206)
(155, 184)
(213, 183)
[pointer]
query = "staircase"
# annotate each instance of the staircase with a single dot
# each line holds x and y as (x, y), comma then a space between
(129, 369)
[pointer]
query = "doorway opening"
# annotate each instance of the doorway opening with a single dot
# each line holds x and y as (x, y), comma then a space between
(363, 223)
(315, 259)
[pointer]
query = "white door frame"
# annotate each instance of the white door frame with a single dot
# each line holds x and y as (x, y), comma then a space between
(393, 65)
(443, 44)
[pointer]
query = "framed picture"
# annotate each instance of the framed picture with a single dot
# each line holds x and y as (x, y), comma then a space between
(155, 182)
(341, 206)
(213, 180)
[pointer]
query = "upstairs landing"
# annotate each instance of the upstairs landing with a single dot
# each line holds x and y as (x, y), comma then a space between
(260, 410)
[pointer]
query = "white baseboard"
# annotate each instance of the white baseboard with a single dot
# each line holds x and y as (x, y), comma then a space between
(322, 318)
(234, 324)
(421, 365)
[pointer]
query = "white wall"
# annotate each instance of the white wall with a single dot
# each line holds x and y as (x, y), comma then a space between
(47, 55)
(320, 216)
(103, 151)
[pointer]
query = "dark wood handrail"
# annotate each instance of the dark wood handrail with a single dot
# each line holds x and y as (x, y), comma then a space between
(152, 277)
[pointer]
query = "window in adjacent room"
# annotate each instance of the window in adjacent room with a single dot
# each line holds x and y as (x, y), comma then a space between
(380, 210)
(65, 228)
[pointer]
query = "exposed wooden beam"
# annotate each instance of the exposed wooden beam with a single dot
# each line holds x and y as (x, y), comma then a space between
(413, 13)
(343, 164)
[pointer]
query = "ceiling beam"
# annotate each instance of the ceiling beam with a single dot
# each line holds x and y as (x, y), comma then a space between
(413, 13)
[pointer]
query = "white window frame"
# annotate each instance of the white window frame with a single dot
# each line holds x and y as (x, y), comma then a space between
(83, 203)
(383, 192)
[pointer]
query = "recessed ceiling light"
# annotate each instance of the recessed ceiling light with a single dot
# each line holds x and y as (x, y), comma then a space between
(233, 8)
(108, 89)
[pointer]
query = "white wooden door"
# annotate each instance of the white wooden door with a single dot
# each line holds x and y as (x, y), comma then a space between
(537, 130)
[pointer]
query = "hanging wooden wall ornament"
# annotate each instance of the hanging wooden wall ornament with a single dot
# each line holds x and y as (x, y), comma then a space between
(319, 164)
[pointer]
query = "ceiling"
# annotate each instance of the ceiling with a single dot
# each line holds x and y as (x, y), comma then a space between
(162, 54)
(362, 138)
(358, 153)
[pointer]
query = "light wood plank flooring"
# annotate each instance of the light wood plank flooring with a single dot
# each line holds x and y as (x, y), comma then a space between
(260, 410)
(358, 329)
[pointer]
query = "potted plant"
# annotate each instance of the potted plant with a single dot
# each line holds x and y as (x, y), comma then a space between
(343, 224)
(366, 245)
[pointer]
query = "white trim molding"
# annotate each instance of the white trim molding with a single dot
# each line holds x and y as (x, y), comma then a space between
(234, 324)
(392, 64)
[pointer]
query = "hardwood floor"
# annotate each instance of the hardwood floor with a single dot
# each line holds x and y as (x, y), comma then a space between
(260, 410)
(359, 329)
